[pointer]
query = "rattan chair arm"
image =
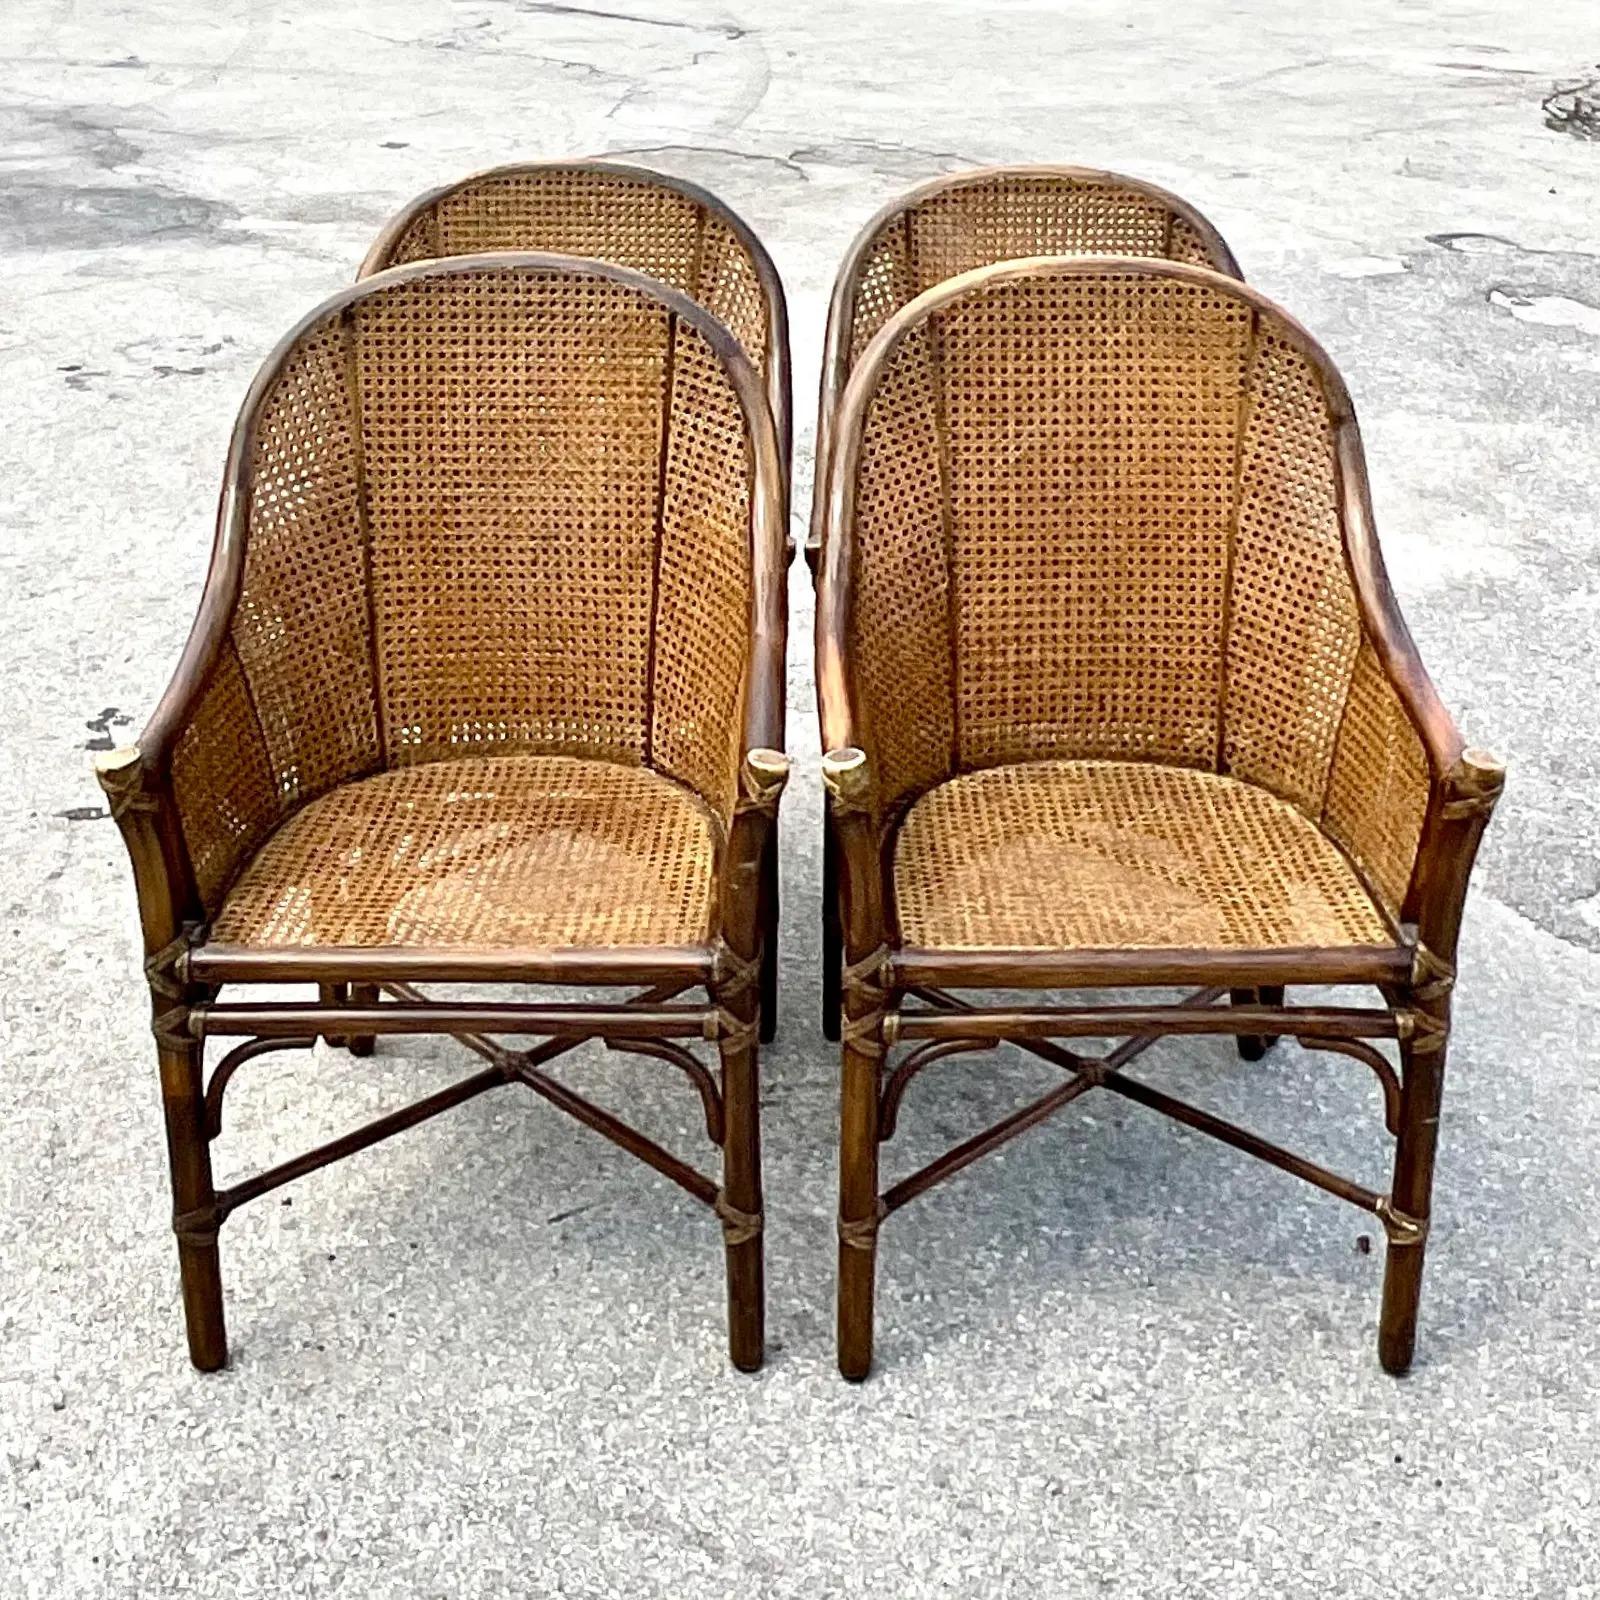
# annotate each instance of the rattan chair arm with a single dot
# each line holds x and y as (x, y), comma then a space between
(209, 634)
(847, 776)
(139, 797)
(1459, 808)
(763, 773)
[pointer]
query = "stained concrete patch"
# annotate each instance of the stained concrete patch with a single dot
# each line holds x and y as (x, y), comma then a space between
(37, 214)
(53, 195)
(1547, 310)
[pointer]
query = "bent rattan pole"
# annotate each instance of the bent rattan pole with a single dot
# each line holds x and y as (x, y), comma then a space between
(222, 1073)
(1002, 1132)
(373, 1133)
(521, 1066)
(1089, 969)
(1113, 1021)
(1242, 1139)
(619, 1133)
(280, 1019)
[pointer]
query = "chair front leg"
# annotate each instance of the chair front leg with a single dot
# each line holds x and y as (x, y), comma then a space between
(738, 993)
(1422, 1060)
(739, 1205)
(859, 1205)
(194, 1216)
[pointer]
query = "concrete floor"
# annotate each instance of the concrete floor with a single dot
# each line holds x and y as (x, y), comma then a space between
(487, 1358)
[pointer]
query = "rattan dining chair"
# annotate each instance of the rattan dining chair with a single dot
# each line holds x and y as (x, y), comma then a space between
(486, 687)
(947, 226)
(1116, 693)
(655, 223)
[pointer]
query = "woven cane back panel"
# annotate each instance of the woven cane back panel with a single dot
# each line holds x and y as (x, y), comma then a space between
(1004, 218)
(1110, 855)
(523, 852)
(534, 540)
(900, 613)
(512, 436)
(296, 700)
(227, 796)
(610, 216)
(1293, 624)
(1378, 783)
(703, 579)
(1091, 430)
(1143, 556)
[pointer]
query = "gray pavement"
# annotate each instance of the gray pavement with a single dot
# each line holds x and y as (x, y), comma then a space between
(488, 1358)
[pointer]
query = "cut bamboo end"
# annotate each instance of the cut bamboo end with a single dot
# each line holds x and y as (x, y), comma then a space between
(108, 763)
(768, 769)
(1479, 773)
(845, 774)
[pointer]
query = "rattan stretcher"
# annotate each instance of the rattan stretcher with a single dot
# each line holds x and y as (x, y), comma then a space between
(935, 231)
(486, 686)
(1116, 694)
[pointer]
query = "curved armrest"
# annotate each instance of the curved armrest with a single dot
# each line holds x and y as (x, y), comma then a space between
(847, 776)
(763, 773)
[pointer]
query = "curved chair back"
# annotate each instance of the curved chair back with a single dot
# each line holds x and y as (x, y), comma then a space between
(959, 222)
(1116, 509)
(657, 224)
(502, 503)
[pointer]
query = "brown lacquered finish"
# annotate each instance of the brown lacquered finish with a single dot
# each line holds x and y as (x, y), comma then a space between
(1118, 695)
(486, 685)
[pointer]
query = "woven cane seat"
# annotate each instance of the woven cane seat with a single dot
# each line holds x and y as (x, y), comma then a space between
(503, 852)
(1120, 855)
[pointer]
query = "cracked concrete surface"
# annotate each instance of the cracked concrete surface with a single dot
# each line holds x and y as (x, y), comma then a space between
(487, 1358)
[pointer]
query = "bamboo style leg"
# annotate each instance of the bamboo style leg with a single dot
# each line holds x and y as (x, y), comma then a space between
(749, 900)
(854, 892)
(1422, 1059)
(1254, 1046)
(739, 1205)
(193, 1201)
(858, 1194)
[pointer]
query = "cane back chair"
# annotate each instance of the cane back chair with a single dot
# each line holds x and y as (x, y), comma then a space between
(655, 223)
(938, 230)
(486, 687)
(1116, 693)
